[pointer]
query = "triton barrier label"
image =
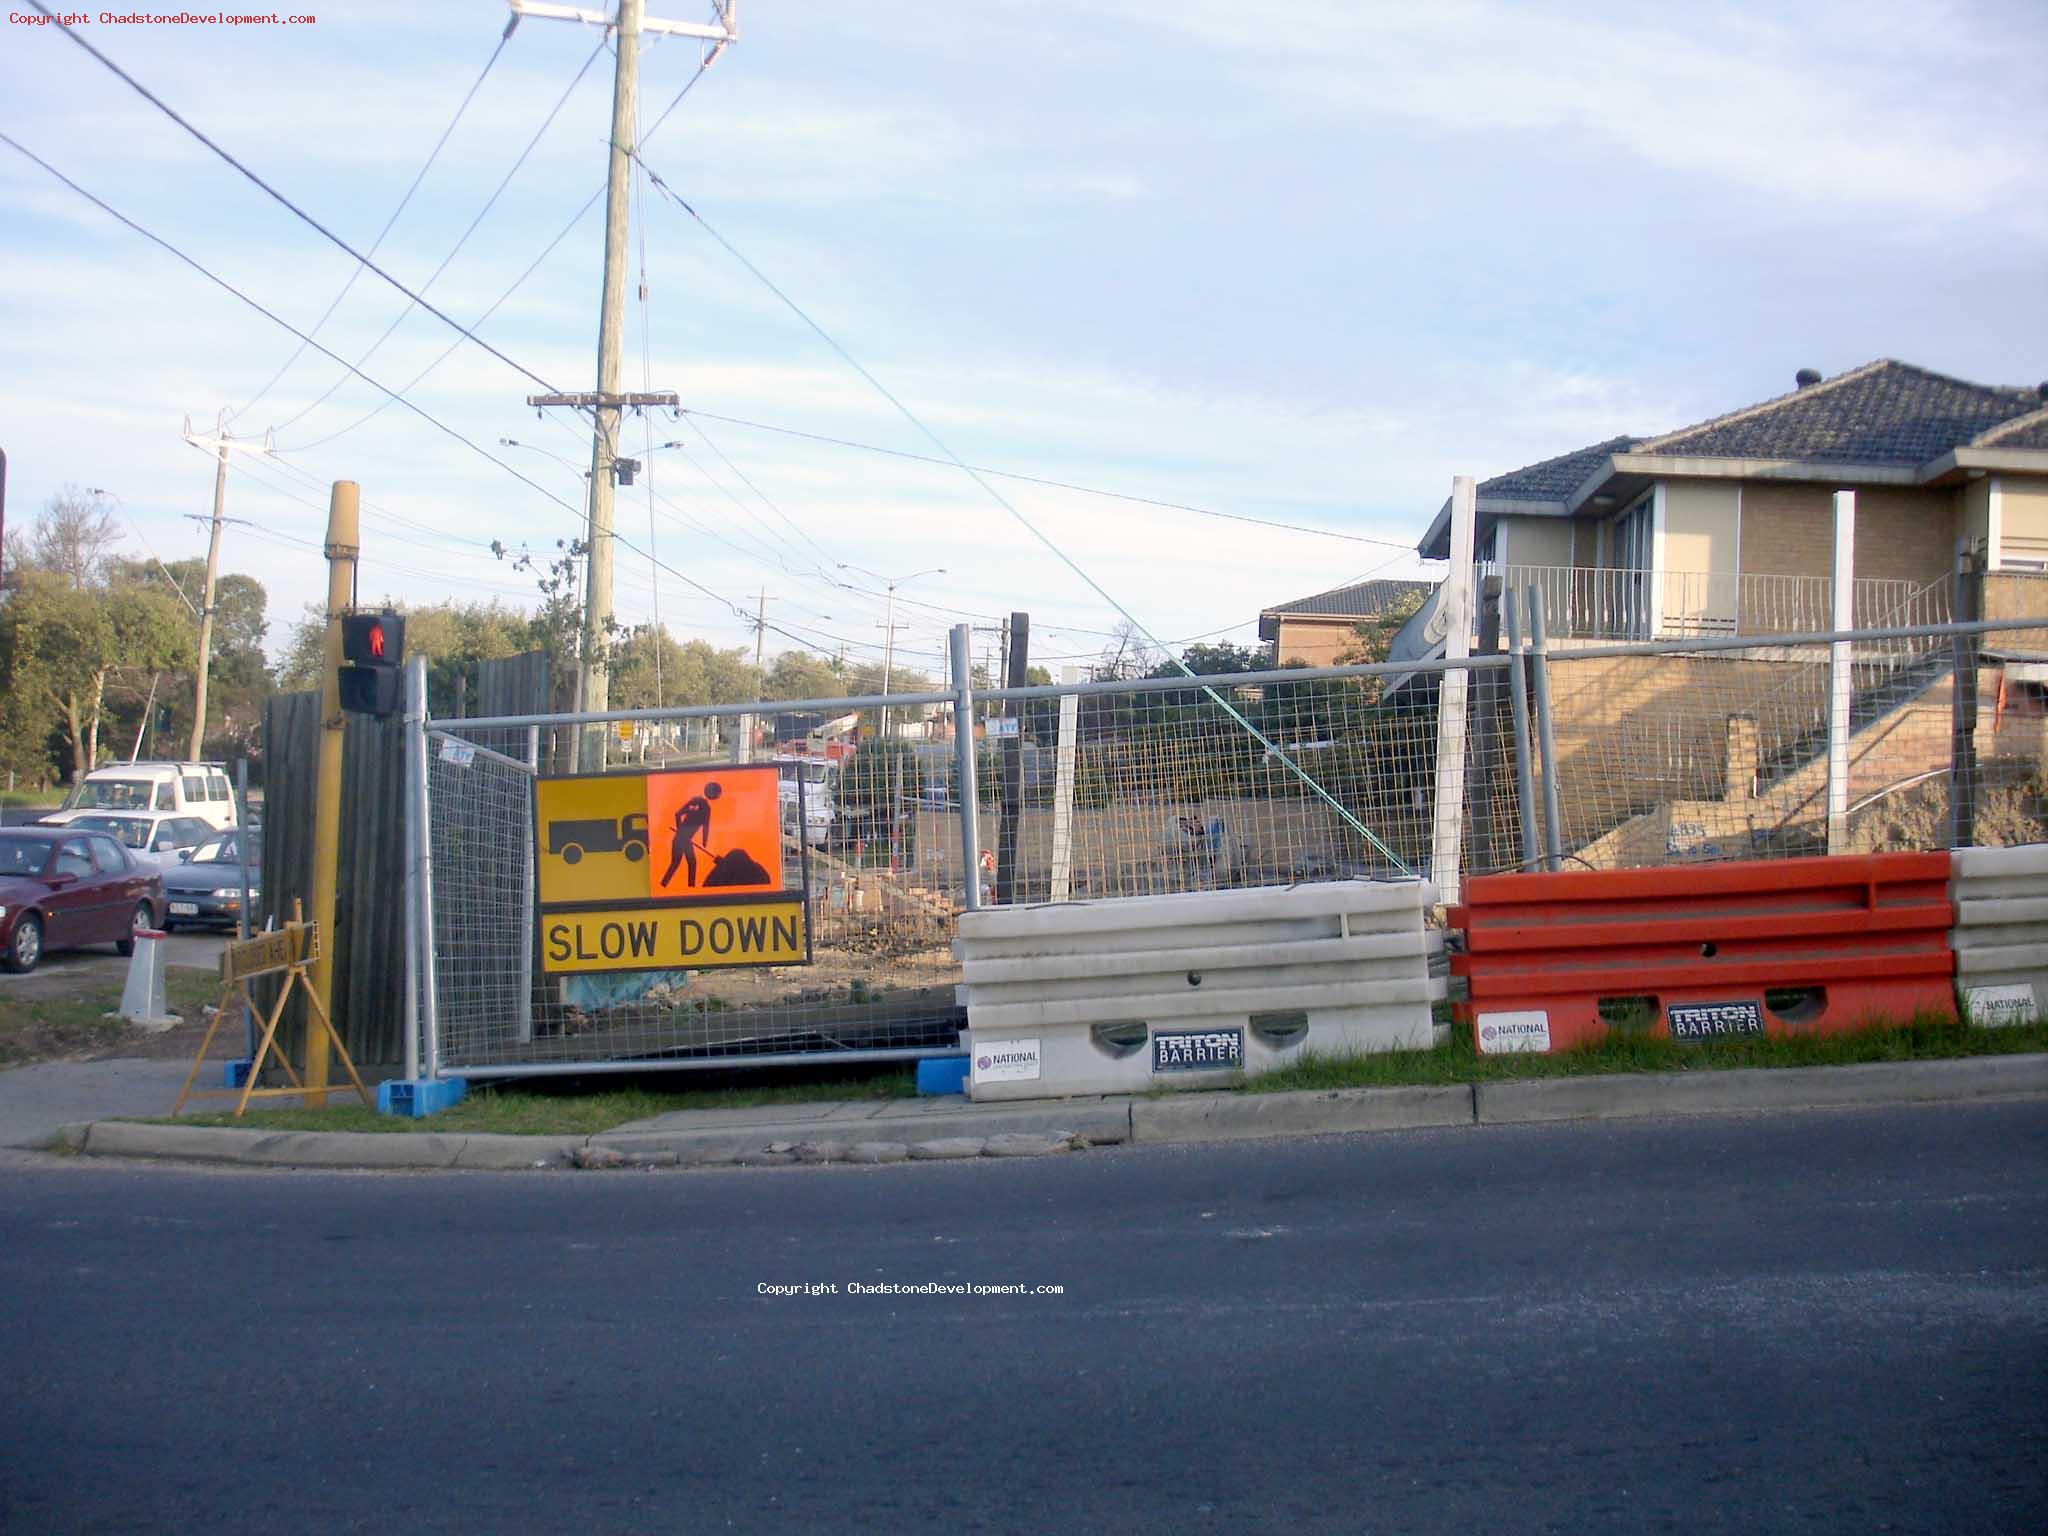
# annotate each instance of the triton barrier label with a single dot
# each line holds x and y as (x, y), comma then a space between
(1504, 1034)
(1198, 1050)
(1707, 1021)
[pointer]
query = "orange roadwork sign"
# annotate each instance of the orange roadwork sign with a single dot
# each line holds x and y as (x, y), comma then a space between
(716, 831)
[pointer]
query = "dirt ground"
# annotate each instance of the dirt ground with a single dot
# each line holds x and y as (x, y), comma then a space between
(57, 1011)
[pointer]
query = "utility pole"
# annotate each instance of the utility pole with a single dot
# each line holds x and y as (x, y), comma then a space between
(607, 470)
(220, 491)
(221, 447)
(760, 636)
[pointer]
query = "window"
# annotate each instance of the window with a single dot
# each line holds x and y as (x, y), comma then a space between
(72, 859)
(106, 853)
(166, 796)
(217, 787)
(195, 791)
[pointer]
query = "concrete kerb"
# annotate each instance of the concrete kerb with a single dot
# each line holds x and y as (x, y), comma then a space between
(1054, 1126)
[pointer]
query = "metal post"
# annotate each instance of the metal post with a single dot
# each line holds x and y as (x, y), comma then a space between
(1539, 675)
(428, 1046)
(1063, 799)
(960, 644)
(242, 918)
(1454, 611)
(1841, 672)
(1518, 702)
(526, 898)
(1010, 814)
(1488, 693)
(1962, 767)
(415, 773)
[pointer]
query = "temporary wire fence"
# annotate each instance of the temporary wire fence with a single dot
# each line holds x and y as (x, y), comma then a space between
(1657, 753)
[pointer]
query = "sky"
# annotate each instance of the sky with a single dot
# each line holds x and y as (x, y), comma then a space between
(1300, 262)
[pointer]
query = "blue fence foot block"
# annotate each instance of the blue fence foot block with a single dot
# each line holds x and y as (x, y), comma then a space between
(420, 1097)
(941, 1075)
(234, 1073)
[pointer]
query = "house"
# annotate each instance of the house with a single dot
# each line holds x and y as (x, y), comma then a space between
(1727, 529)
(1315, 631)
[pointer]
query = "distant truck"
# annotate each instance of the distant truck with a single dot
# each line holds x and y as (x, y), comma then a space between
(573, 839)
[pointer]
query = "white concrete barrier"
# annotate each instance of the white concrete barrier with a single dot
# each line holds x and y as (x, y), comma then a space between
(2001, 932)
(142, 994)
(1189, 990)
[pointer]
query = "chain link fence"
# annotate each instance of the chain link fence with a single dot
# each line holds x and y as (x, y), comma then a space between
(1652, 753)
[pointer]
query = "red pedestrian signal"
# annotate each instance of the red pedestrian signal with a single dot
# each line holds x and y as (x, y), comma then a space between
(372, 651)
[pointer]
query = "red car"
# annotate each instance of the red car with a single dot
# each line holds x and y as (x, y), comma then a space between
(60, 889)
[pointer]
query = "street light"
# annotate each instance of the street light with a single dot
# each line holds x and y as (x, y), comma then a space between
(889, 635)
(508, 442)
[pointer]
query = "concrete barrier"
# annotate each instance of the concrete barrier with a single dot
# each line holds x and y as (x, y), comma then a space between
(1189, 990)
(2001, 933)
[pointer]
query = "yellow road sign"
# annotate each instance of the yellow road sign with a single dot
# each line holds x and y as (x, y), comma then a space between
(592, 838)
(296, 944)
(700, 936)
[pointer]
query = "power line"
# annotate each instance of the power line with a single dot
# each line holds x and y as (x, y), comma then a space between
(462, 239)
(435, 154)
(1342, 810)
(296, 211)
(516, 284)
(1062, 485)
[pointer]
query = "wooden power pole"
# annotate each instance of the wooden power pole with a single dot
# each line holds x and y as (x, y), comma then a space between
(220, 491)
(605, 403)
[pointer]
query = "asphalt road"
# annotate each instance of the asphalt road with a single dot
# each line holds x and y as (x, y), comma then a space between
(1827, 1322)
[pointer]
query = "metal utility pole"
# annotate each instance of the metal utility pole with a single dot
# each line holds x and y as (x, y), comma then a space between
(220, 491)
(607, 471)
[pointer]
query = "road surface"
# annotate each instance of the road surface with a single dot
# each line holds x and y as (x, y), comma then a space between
(1826, 1322)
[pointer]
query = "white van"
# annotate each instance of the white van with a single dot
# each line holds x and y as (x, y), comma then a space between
(187, 789)
(818, 778)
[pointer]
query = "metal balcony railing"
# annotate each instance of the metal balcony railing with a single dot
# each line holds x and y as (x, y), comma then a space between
(1586, 604)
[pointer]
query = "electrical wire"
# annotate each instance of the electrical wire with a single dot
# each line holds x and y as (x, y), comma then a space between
(1060, 485)
(293, 208)
(460, 241)
(517, 283)
(1051, 546)
(433, 155)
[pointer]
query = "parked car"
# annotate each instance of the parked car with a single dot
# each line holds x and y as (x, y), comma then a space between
(183, 789)
(61, 888)
(207, 887)
(158, 841)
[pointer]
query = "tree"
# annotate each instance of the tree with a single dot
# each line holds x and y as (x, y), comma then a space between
(238, 676)
(799, 675)
(74, 538)
(62, 647)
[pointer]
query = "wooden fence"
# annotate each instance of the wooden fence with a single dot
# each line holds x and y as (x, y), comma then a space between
(368, 942)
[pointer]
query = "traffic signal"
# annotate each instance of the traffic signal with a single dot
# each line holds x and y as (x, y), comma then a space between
(372, 653)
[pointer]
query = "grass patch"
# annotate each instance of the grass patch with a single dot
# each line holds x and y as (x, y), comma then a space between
(522, 1109)
(49, 1028)
(31, 799)
(1622, 1051)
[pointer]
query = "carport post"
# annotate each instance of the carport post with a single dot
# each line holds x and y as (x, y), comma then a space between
(961, 646)
(1518, 703)
(1841, 672)
(1546, 738)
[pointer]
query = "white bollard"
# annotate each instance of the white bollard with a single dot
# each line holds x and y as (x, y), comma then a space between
(142, 997)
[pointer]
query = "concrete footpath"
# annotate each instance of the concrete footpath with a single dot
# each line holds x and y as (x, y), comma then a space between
(905, 1130)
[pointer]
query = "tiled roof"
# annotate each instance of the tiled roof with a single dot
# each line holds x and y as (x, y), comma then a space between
(1362, 601)
(2030, 431)
(1553, 479)
(1885, 412)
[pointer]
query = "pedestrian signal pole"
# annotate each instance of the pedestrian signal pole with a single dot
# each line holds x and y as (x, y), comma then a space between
(344, 545)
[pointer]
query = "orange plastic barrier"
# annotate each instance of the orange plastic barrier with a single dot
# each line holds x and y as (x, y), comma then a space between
(1696, 951)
